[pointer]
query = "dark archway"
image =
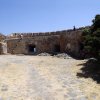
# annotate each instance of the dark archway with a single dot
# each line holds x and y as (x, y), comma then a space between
(57, 48)
(31, 48)
(81, 45)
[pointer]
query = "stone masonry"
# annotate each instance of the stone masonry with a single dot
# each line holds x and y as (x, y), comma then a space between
(50, 42)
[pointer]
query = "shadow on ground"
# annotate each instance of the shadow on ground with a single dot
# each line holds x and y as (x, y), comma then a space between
(90, 69)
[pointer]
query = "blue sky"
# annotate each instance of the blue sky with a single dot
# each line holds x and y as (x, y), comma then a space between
(46, 15)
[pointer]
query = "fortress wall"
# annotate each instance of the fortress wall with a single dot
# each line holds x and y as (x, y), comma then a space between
(67, 41)
(70, 42)
(11, 44)
(41, 43)
(47, 43)
(59, 41)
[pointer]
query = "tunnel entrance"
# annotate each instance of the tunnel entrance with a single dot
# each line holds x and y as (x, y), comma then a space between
(81, 46)
(57, 48)
(31, 48)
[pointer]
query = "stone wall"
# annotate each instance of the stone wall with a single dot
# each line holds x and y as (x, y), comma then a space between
(41, 43)
(70, 42)
(1, 51)
(32, 43)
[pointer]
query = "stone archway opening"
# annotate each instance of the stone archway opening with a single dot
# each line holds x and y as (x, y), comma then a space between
(31, 48)
(81, 46)
(57, 48)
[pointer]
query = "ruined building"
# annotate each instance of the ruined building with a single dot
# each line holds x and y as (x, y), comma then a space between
(33, 43)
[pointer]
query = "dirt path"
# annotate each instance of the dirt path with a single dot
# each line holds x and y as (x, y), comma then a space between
(44, 78)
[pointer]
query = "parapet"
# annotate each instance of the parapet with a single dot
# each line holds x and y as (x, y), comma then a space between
(30, 35)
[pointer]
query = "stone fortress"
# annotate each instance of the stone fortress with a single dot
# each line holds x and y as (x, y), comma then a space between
(68, 41)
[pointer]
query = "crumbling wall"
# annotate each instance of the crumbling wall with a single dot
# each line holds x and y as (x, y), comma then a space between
(29, 43)
(42, 43)
(70, 42)
(11, 45)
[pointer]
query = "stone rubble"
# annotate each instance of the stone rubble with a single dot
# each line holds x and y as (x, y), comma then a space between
(44, 54)
(59, 55)
(63, 55)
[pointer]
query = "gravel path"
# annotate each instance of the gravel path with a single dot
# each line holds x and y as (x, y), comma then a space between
(44, 78)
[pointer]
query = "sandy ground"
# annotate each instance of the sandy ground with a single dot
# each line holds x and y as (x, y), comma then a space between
(44, 78)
